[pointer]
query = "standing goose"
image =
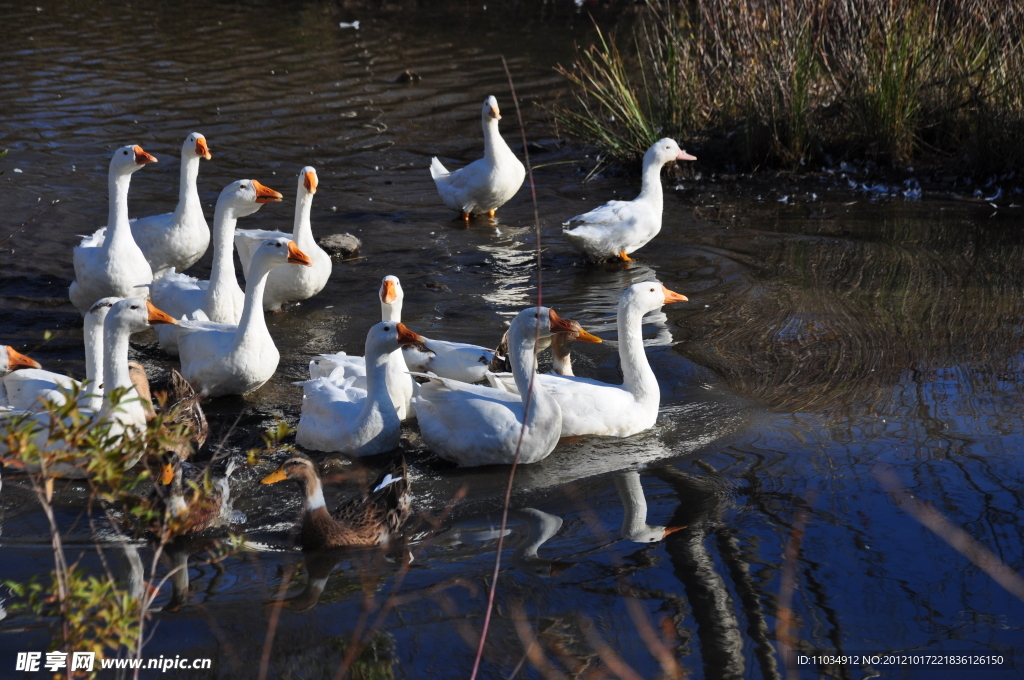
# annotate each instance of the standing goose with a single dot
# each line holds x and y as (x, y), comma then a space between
(227, 358)
(476, 425)
(350, 420)
(593, 407)
(112, 264)
(176, 240)
(371, 520)
(290, 284)
(485, 185)
(219, 299)
(617, 228)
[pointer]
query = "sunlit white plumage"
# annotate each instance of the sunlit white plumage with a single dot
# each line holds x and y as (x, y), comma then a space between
(290, 284)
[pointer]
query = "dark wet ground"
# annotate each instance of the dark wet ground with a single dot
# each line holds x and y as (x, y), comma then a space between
(828, 338)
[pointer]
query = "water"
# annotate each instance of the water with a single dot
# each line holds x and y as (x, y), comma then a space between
(825, 343)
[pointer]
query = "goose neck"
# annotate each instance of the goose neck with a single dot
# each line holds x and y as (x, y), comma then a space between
(524, 361)
(302, 230)
(115, 368)
(634, 505)
(376, 373)
(253, 322)
(223, 272)
(494, 143)
(118, 227)
(188, 194)
(93, 337)
(650, 189)
(390, 312)
(638, 378)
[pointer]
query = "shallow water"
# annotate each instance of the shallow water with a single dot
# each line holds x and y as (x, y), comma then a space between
(826, 341)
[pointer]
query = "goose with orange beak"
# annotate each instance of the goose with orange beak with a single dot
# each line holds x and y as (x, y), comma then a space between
(350, 420)
(110, 263)
(290, 284)
(593, 407)
(219, 359)
(485, 185)
(218, 299)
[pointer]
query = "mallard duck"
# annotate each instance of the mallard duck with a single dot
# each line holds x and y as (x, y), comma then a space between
(291, 284)
(109, 263)
(178, 492)
(224, 358)
(485, 185)
(373, 519)
(350, 420)
(499, 375)
(179, 399)
(617, 228)
(219, 299)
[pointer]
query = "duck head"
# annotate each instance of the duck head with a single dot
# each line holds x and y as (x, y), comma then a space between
(128, 159)
(649, 296)
(543, 322)
(490, 110)
(245, 197)
(302, 469)
(195, 147)
(665, 151)
(10, 360)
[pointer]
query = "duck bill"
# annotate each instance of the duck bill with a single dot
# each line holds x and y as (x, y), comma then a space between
(406, 336)
(166, 474)
(310, 182)
(296, 256)
(388, 292)
(493, 113)
(202, 150)
(18, 360)
(141, 157)
(588, 337)
(274, 477)
(683, 156)
(672, 296)
(560, 325)
(265, 194)
(157, 316)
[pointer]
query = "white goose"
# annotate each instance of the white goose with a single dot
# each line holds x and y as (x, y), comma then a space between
(29, 389)
(454, 360)
(342, 368)
(485, 185)
(11, 360)
(290, 284)
(112, 264)
(350, 420)
(634, 511)
(220, 299)
(176, 240)
(617, 228)
(227, 358)
(477, 425)
(593, 407)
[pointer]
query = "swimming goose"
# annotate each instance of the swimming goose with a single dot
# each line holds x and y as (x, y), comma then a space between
(220, 299)
(593, 407)
(634, 511)
(227, 358)
(176, 240)
(30, 389)
(109, 263)
(485, 185)
(617, 228)
(290, 284)
(351, 420)
(11, 360)
(371, 520)
(476, 425)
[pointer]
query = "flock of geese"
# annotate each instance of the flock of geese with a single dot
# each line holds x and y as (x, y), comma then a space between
(467, 400)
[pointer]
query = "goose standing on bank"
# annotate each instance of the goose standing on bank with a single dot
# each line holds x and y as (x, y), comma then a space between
(485, 185)
(350, 420)
(617, 228)
(476, 425)
(219, 299)
(225, 358)
(290, 284)
(343, 369)
(110, 263)
(594, 407)
(176, 240)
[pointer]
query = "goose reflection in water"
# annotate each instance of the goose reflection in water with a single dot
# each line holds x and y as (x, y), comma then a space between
(541, 527)
(634, 511)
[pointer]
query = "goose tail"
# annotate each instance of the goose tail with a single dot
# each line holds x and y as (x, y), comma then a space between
(437, 171)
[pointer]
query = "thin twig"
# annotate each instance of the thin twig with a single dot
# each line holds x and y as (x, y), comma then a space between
(25, 223)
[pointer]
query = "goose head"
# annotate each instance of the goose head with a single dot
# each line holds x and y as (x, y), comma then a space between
(391, 297)
(308, 180)
(128, 159)
(490, 110)
(649, 296)
(275, 252)
(665, 151)
(195, 146)
(387, 336)
(135, 315)
(10, 360)
(245, 197)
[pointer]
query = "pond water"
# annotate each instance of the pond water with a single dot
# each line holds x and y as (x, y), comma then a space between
(831, 345)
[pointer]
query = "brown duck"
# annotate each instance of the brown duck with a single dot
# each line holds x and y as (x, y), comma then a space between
(371, 520)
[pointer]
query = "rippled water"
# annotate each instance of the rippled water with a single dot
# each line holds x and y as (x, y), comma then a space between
(826, 341)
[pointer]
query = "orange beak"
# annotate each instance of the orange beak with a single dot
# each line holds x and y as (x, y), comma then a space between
(202, 150)
(265, 194)
(683, 156)
(274, 477)
(158, 316)
(588, 337)
(406, 336)
(296, 256)
(166, 474)
(389, 292)
(558, 324)
(493, 113)
(19, 360)
(672, 530)
(672, 296)
(141, 157)
(310, 182)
